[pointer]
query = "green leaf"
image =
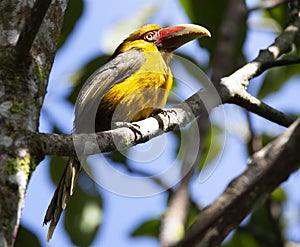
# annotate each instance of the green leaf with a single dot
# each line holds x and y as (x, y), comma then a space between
(261, 229)
(242, 239)
(83, 214)
(279, 196)
(57, 166)
(26, 237)
(192, 215)
(267, 138)
(118, 157)
(279, 14)
(209, 151)
(81, 76)
(73, 12)
(260, 219)
(149, 228)
(276, 78)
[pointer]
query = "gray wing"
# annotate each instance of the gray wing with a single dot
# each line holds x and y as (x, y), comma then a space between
(115, 71)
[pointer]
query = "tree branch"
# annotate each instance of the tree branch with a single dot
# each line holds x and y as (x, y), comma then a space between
(172, 119)
(172, 227)
(249, 102)
(266, 170)
(278, 63)
(122, 138)
(232, 89)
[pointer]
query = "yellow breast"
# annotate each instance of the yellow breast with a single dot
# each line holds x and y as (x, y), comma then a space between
(136, 97)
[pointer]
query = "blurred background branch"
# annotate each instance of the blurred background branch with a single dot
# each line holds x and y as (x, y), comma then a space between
(266, 170)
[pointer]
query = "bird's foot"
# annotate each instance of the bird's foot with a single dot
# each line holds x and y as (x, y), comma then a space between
(157, 111)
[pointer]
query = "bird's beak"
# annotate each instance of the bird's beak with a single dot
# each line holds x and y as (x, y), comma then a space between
(171, 38)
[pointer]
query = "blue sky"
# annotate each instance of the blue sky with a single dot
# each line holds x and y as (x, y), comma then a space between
(87, 41)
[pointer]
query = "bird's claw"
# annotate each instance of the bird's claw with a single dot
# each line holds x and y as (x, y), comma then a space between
(157, 111)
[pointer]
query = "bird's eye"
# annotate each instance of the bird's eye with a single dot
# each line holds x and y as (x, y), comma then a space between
(149, 36)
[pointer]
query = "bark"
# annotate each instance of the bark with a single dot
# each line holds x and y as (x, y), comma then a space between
(28, 37)
(266, 169)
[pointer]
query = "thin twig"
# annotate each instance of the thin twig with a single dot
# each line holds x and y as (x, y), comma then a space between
(255, 142)
(251, 103)
(283, 62)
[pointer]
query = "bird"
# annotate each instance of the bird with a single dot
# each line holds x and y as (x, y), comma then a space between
(133, 83)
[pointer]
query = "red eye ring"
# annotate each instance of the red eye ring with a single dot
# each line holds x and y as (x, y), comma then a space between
(150, 36)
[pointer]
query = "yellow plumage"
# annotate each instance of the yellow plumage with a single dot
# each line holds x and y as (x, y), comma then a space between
(127, 88)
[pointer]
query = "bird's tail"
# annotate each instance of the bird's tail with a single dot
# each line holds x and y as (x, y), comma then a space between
(62, 194)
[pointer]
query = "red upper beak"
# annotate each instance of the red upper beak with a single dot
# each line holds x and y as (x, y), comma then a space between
(171, 38)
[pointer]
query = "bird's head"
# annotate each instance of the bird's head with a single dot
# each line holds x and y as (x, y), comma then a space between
(152, 37)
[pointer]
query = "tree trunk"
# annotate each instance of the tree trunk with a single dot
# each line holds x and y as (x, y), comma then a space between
(28, 37)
